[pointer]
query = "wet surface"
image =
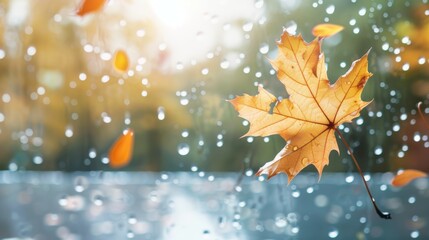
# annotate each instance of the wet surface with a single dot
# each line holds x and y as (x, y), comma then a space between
(201, 205)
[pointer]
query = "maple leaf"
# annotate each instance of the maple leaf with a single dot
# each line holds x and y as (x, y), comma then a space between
(120, 61)
(121, 151)
(309, 118)
(407, 176)
(326, 30)
(89, 6)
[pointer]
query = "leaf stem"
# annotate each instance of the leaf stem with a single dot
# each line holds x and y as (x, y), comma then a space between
(385, 215)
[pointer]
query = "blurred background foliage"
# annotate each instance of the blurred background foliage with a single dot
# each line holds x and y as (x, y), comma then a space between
(63, 105)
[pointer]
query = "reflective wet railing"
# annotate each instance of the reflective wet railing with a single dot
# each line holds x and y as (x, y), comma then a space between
(122, 205)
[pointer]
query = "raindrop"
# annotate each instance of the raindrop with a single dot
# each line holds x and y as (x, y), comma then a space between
(350, 179)
(295, 148)
(31, 51)
(132, 219)
(179, 66)
(130, 234)
(378, 150)
(161, 113)
(88, 48)
(333, 233)
(406, 40)
(330, 9)
(417, 137)
(105, 56)
(105, 78)
(98, 200)
(82, 76)
(396, 51)
(411, 200)
(63, 201)
(281, 222)
(405, 67)
(296, 194)
(304, 161)
(359, 121)
(6, 98)
(92, 153)
(248, 27)
(362, 12)
(295, 230)
(184, 101)
(37, 160)
(81, 183)
(414, 234)
(105, 160)
(246, 70)
(205, 71)
(367, 177)
(264, 48)
(13, 166)
(141, 33)
(385, 46)
(421, 60)
(224, 64)
(183, 149)
(185, 134)
(69, 132)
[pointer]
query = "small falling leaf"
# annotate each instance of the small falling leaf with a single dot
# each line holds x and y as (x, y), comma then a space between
(121, 152)
(89, 6)
(406, 176)
(120, 61)
(326, 30)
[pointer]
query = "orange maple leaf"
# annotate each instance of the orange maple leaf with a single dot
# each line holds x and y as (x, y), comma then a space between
(407, 176)
(121, 151)
(89, 6)
(309, 118)
(326, 30)
(120, 61)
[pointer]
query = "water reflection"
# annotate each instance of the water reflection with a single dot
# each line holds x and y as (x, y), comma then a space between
(187, 206)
